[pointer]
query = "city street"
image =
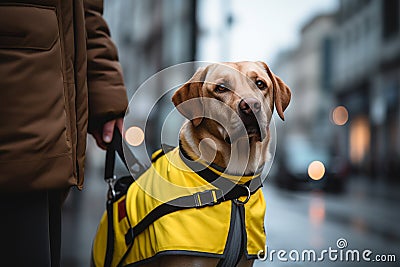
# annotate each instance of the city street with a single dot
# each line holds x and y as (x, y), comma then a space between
(366, 216)
(312, 88)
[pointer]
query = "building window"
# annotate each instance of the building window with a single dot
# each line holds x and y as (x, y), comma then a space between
(326, 77)
(367, 25)
(390, 18)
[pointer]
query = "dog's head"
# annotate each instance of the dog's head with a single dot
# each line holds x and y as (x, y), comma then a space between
(227, 96)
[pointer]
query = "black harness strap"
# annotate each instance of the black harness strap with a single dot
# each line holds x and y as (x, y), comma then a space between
(125, 155)
(227, 190)
(116, 147)
(197, 200)
(216, 180)
(110, 235)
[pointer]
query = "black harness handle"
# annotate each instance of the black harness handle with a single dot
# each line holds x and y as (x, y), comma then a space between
(116, 147)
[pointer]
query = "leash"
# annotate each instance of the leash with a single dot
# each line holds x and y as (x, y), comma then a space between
(116, 188)
(116, 147)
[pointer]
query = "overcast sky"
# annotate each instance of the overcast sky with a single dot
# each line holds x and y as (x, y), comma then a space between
(264, 27)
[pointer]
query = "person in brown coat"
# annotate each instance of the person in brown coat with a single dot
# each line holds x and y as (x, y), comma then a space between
(59, 79)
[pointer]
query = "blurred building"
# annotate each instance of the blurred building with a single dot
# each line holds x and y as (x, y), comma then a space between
(350, 59)
(366, 80)
(306, 70)
(152, 35)
(215, 19)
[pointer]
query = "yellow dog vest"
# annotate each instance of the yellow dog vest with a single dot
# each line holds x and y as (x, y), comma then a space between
(191, 231)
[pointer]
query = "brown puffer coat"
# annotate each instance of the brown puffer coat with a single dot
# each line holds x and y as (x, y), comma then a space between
(58, 71)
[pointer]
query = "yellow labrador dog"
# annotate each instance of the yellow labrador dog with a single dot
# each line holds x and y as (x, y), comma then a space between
(222, 149)
(250, 91)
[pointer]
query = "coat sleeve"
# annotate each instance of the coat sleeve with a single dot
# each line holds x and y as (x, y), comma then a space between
(107, 93)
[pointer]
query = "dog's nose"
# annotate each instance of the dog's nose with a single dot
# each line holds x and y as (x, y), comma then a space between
(249, 106)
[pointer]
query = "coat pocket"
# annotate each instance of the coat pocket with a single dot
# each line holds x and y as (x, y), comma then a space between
(32, 109)
(28, 27)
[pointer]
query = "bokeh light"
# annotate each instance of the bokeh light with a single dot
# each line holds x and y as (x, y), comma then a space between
(316, 170)
(134, 136)
(316, 210)
(360, 139)
(340, 115)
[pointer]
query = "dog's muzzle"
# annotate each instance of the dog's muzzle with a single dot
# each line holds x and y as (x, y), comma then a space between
(250, 114)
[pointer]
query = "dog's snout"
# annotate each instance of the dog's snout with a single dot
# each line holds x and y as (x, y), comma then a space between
(249, 106)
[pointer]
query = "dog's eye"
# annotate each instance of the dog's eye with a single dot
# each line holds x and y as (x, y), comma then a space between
(221, 88)
(261, 85)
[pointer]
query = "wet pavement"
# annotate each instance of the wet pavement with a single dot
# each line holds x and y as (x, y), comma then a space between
(366, 216)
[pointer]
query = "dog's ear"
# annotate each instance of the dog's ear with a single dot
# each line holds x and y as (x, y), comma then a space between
(191, 90)
(282, 93)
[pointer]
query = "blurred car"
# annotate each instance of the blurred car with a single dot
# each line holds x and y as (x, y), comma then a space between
(304, 166)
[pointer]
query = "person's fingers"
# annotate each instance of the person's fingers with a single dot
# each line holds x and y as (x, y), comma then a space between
(106, 135)
(99, 140)
(108, 130)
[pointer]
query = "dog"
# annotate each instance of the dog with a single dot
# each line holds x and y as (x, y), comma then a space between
(200, 204)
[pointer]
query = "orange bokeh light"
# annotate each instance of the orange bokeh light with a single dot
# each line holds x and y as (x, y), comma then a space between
(360, 139)
(316, 170)
(316, 211)
(134, 136)
(340, 115)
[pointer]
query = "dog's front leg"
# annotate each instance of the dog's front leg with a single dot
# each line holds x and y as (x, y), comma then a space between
(245, 263)
(184, 261)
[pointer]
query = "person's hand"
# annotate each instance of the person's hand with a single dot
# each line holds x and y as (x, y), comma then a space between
(105, 135)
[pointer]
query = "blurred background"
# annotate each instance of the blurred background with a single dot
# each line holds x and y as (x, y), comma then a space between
(336, 172)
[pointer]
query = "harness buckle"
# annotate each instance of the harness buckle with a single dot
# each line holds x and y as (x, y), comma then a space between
(208, 198)
(239, 202)
(111, 190)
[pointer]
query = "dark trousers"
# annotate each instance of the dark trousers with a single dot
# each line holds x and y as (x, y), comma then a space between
(30, 229)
